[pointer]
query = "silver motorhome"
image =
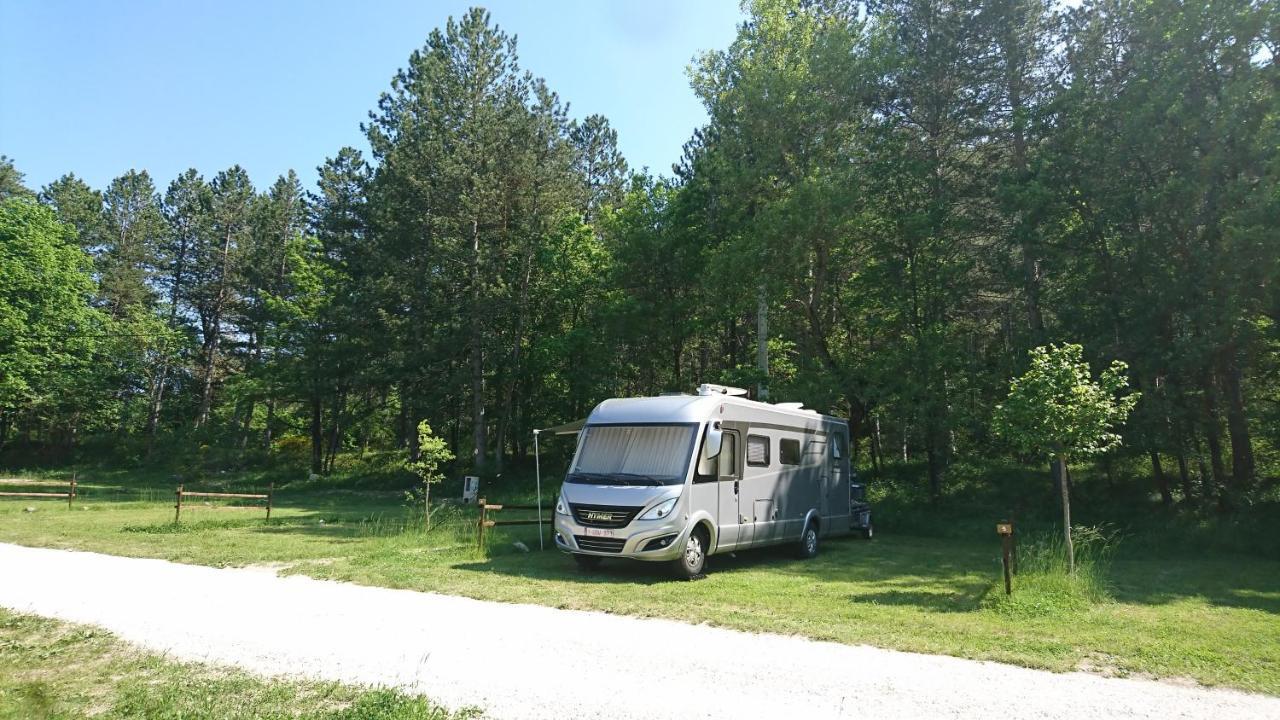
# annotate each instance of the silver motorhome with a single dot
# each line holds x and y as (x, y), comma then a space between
(677, 478)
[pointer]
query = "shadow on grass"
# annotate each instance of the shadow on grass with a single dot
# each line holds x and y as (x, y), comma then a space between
(1230, 581)
(895, 574)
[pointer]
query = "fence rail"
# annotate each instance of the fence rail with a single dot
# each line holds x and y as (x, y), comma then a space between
(485, 522)
(70, 495)
(181, 493)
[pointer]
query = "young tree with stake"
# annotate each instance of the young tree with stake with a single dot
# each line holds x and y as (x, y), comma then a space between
(432, 453)
(1057, 409)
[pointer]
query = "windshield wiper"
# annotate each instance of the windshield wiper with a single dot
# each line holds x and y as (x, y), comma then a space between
(591, 478)
(647, 479)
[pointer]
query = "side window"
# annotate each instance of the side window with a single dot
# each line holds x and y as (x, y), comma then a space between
(757, 451)
(789, 452)
(729, 454)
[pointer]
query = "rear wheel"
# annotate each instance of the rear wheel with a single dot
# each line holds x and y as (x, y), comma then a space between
(808, 542)
(693, 561)
(587, 562)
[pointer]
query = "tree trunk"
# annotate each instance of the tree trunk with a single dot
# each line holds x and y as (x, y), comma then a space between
(1214, 443)
(154, 404)
(211, 359)
(1162, 482)
(762, 343)
(426, 505)
(1184, 478)
(876, 448)
(317, 433)
(935, 468)
(478, 430)
(1242, 463)
(1066, 514)
(266, 430)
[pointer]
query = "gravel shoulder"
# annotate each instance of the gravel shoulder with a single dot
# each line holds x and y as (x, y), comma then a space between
(527, 661)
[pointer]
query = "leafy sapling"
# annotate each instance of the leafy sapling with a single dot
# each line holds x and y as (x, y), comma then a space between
(432, 453)
(1059, 411)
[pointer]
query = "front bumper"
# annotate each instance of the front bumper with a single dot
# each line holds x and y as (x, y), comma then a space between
(633, 538)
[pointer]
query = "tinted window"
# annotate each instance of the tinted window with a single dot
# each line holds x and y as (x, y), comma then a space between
(729, 454)
(757, 451)
(789, 452)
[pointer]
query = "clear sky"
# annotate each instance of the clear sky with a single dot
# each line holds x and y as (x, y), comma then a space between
(97, 88)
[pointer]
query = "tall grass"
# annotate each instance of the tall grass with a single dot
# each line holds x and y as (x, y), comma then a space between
(1045, 586)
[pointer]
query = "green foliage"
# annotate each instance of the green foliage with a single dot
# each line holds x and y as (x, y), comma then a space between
(48, 331)
(911, 194)
(1058, 410)
(433, 452)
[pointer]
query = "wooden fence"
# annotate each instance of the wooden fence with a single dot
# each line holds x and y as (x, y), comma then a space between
(177, 508)
(70, 495)
(485, 522)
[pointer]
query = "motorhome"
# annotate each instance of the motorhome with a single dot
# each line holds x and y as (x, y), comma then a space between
(677, 478)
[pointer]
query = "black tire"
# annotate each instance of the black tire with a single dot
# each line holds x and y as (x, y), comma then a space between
(692, 563)
(808, 545)
(587, 563)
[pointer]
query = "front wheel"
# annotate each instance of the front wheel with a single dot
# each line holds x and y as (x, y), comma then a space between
(808, 542)
(693, 561)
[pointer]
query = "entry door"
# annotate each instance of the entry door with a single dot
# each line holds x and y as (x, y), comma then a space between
(729, 479)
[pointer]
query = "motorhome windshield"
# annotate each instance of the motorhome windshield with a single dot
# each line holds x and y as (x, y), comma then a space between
(633, 454)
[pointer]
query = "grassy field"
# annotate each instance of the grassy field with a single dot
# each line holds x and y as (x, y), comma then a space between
(1210, 617)
(51, 670)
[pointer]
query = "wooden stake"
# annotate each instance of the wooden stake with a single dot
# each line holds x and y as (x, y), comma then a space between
(271, 490)
(177, 508)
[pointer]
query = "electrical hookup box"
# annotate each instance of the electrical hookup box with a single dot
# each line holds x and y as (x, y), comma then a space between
(470, 488)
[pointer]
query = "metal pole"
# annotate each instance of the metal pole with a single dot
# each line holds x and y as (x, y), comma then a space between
(537, 471)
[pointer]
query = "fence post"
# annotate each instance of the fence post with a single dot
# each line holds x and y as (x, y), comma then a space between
(480, 527)
(71, 497)
(271, 490)
(177, 508)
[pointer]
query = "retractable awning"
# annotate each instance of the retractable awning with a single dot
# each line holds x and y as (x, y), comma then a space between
(571, 428)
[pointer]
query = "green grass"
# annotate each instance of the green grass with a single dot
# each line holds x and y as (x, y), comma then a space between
(1212, 617)
(51, 670)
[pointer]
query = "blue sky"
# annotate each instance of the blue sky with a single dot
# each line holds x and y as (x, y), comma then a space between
(97, 88)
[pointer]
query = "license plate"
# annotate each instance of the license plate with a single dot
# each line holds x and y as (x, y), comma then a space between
(596, 532)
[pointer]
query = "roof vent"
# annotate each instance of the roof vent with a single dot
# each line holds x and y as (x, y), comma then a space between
(709, 389)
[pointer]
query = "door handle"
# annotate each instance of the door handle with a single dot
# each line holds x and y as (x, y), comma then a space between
(735, 487)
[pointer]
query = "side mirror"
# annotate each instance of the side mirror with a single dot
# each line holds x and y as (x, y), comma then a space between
(715, 439)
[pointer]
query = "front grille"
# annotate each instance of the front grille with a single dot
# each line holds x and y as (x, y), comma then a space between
(603, 516)
(598, 544)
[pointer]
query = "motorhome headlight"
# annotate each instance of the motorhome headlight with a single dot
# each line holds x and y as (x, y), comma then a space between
(562, 508)
(661, 510)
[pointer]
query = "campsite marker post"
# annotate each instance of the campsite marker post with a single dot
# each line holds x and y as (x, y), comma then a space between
(1005, 530)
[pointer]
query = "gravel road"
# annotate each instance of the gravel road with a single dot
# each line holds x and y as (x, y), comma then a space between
(526, 661)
